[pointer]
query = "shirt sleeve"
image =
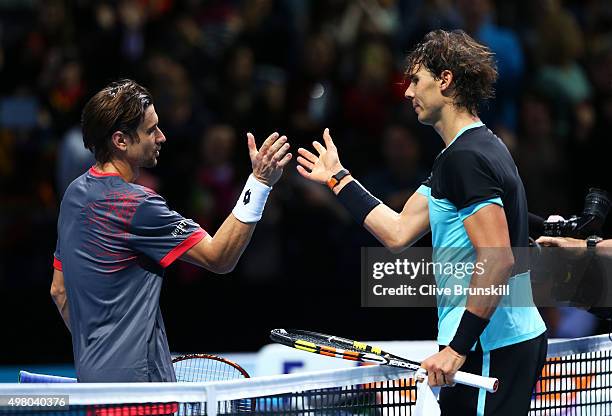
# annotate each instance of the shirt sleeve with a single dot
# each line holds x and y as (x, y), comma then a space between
(160, 233)
(57, 258)
(427, 182)
(474, 208)
(470, 180)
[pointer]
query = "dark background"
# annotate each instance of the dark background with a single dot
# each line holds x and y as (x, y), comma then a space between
(218, 69)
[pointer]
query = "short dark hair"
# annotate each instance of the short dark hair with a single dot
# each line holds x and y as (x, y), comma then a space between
(120, 106)
(472, 64)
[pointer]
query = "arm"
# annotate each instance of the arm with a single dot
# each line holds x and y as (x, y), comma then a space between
(395, 231)
(603, 248)
(398, 231)
(488, 232)
(58, 293)
(221, 253)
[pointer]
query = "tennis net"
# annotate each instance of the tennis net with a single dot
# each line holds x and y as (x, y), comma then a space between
(576, 381)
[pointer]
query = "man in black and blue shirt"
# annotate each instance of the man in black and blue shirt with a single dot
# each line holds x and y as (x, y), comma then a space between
(473, 201)
(116, 238)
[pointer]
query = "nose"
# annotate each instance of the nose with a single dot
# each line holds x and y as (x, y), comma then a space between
(161, 138)
(409, 94)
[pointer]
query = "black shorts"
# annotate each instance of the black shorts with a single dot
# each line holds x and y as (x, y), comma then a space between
(517, 367)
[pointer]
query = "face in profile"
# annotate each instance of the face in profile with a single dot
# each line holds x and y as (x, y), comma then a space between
(425, 95)
(145, 151)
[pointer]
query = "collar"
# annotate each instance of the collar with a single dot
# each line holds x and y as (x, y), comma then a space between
(99, 174)
(463, 130)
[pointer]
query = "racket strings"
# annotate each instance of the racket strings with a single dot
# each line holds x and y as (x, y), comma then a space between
(205, 369)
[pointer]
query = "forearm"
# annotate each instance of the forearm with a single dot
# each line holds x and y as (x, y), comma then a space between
(394, 230)
(221, 252)
(229, 242)
(62, 307)
(58, 294)
(604, 248)
(391, 229)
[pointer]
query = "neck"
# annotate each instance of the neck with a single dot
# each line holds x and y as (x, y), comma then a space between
(451, 121)
(127, 172)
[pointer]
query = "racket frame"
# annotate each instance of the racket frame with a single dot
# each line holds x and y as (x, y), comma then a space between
(358, 351)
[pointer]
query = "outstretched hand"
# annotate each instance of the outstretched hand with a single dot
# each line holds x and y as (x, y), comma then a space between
(268, 162)
(319, 168)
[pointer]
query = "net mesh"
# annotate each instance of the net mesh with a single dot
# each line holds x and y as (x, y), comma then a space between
(575, 381)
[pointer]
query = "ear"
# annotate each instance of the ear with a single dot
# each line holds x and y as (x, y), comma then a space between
(446, 79)
(119, 141)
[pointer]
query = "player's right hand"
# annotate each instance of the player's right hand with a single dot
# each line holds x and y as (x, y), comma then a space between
(319, 168)
(268, 162)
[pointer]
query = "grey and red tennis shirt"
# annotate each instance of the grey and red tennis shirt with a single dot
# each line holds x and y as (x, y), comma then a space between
(114, 241)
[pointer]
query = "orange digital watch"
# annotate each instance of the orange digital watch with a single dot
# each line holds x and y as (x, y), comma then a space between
(335, 179)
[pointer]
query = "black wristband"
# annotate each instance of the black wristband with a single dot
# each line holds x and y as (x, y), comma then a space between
(470, 328)
(357, 200)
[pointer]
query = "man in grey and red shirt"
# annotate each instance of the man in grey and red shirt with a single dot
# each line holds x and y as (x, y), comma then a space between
(115, 238)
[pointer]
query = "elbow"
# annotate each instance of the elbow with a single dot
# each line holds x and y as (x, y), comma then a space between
(57, 292)
(506, 262)
(395, 248)
(223, 268)
(395, 245)
(397, 239)
(510, 263)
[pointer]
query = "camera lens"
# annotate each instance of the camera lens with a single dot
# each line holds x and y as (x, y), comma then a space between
(597, 204)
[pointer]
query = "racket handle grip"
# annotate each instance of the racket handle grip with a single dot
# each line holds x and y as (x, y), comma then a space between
(490, 384)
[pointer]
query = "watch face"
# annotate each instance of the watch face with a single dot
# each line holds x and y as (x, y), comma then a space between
(593, 240)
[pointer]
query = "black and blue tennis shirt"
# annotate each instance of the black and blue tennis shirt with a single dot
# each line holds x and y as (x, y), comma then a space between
(473, 171)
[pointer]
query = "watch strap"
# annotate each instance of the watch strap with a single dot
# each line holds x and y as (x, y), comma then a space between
(592, 241)
(335, 179)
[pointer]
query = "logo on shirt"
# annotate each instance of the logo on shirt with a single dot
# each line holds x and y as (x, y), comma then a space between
(180, 229)
(247, 197)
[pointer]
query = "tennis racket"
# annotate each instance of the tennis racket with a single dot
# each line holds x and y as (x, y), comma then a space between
(206, 367)
(347, 349)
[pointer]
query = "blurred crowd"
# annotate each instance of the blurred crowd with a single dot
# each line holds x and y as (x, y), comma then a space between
(218, 69)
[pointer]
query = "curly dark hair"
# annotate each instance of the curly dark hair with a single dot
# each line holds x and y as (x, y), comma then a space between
(472, 64)
(120, 106)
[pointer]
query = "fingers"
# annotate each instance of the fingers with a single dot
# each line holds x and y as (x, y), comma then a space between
(319, 147)
(281, 153)
(283, 162)
(251, 145)
(303, 172)
(268, 142)
(272, 151)
(548, 241)
(449, 379)
(436, 378)
(305, 163)
(307, 155)
(329, 143)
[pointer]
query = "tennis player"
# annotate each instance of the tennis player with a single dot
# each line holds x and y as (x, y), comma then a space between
(474, 198)
(116, 238)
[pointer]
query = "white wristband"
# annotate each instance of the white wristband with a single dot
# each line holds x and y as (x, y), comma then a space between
(252, 201)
